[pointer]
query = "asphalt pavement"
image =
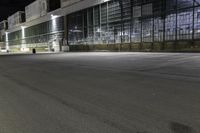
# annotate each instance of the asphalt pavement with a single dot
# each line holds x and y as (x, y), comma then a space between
(100, 93)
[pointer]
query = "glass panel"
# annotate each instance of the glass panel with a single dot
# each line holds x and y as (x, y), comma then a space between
(136, 33)
(126, 33)
(158, 29)
(104, 28)
(170, 5)
(197, 2)
(170, 27)
(114, 33)
(185, 24)
(114, 12)
(126, 9)
(147, 30)
(185, 3)
(197, 23)
(76, 33)
(97, 29)
(90, 38)
(147, 9)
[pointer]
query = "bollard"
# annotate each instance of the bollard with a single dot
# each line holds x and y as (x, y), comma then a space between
(34, 51)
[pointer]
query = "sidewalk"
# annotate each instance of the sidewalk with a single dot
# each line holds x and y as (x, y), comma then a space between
(26, 53)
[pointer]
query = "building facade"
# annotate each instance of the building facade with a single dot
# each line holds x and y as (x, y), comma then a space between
(119, 25)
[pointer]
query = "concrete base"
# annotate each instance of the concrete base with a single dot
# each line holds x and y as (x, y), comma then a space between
(25, 49)
(65, 48)
(179, 46)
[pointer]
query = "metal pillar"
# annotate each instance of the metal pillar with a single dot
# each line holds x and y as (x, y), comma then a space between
(65, 27)
(193, 30)
(121, 21)
(152, 46)
(131, 24)
(100, 26)
(93, 25)
(88, 29)
(141, 32)
(176, 33)
(107, 25)
(163, 17)
(66, 32)
(83, 25)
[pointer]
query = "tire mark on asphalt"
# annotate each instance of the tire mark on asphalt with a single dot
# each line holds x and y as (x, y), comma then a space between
(181, 128)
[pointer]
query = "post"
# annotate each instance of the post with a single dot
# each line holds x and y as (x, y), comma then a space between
(131, 25)
(141, 28)
(122, 27)
(65, 26)
(193, 17)
(164, 17)
(176, 32)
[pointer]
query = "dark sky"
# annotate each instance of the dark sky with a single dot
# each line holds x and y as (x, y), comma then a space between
(8, 7)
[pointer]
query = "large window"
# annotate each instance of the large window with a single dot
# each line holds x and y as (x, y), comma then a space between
(135, 21)
(185, 24)
(15, 38)
(45, 32)
(197, 23)
(114, 22)
(147, 30)
(158, 29)
(136, 32)
(104, 23)
(170, 27)
(97, 26)
(126, 32)
(121, 21)
(126, 24)
(171, 5)
(76, 27)
(197, 2)
(90, 20)
(184, 3)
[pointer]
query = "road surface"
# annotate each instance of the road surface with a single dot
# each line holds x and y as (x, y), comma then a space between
(100, 93)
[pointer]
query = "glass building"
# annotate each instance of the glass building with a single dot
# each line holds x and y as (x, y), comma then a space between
(128, 24)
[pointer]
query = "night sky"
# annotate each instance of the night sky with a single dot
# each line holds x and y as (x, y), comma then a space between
(8, 7)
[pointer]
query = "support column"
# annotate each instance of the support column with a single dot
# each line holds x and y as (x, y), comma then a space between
(100, 32)
(23, 40)
(164, 17)
(141, 30)
(193, 28)
(176, 34)
(153, 31)
(131, 24)
(66, 29)
(107, 25)
(122, 25)
(7, 41)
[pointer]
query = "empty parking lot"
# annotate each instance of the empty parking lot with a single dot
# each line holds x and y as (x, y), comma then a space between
(100, 93)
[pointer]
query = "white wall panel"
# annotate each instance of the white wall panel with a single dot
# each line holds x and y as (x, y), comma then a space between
(15, 19)
(32, 11)
(82, 4)
(36, 9)
(68, 2)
